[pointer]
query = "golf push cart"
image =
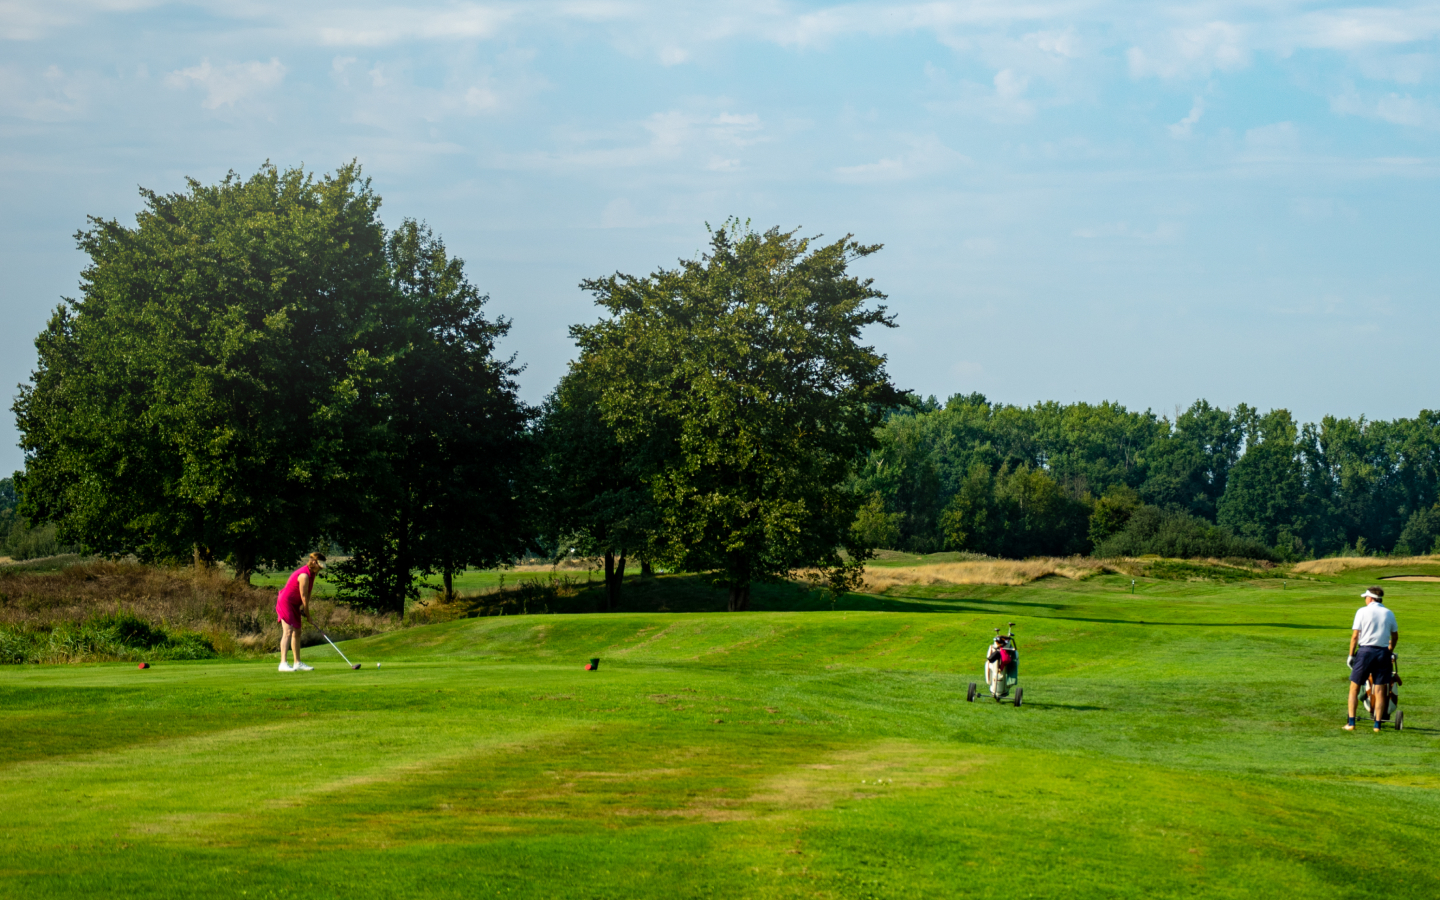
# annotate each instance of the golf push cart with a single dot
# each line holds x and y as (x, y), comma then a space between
(1002, 668)
(1392, 697)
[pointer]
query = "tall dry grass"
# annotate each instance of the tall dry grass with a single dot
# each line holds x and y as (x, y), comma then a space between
(1340, 564)
(235, 617)
(990, 571)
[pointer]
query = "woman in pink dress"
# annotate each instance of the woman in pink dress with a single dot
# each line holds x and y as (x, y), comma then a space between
(294, 602)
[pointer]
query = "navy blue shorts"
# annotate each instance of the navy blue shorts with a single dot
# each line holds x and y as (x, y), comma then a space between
(1371, 662)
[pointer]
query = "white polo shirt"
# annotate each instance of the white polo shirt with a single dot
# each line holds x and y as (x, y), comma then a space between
(1375, 624)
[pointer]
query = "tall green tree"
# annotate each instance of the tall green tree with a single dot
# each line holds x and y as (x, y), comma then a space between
(594, 490)
(1016, 513)
(1188, 468)
(437, 463)
(189, 402)
(741, 380)
(1266, 496)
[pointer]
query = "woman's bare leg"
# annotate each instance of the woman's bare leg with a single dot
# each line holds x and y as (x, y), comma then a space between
(285, 639)
(295, 644)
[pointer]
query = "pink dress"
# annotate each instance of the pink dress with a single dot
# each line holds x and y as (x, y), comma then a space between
(287, 605)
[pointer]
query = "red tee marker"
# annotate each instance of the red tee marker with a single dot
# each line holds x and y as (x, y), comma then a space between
(143, 666)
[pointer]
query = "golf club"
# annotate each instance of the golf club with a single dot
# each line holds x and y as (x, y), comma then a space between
(338, 650)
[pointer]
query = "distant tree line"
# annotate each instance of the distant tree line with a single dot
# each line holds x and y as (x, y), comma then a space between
(1081, 478)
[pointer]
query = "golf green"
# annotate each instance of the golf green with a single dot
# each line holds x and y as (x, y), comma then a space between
(1180, 741)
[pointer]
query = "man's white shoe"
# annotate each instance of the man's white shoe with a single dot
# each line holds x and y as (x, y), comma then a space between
(285, 668)
(301, 667)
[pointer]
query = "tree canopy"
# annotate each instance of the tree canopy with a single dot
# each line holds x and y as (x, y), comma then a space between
(259, 364)
(1275, 487)
(741, 384)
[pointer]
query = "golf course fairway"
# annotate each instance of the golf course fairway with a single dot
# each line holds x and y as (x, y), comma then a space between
(1180, 741)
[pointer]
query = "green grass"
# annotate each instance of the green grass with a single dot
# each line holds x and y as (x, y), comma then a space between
(1181, 741)
(470, 581)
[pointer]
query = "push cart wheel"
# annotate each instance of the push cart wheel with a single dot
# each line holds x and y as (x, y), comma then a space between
(970, 694)
(1019, 692)
(1399, 721)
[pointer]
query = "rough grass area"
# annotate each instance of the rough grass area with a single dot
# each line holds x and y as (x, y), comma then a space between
(105, 636)
(1179, 742)
(990, 571)
(60, 612)
(1341, 564)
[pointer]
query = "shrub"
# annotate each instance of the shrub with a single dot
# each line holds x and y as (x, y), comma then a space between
(120, 635)
(1177, 534)
(874, 527)
(1421, 534)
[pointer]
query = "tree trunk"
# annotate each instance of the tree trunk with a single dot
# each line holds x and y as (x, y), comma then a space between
(244, 566)
(619, 581)
(449, 580)
(739, 597)
(645, 569)
(614, 578)
(400, 575)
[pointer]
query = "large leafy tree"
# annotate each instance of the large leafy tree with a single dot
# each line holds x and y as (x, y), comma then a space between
(1017, 513)
(594, 492)
(1266, 496)
(190, 401)
(1188, 467)
(437, 461)
(741, 381)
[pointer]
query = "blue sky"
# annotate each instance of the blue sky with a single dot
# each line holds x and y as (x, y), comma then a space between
(1144, 202)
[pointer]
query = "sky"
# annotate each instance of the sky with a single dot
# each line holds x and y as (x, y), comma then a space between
(1147, 203)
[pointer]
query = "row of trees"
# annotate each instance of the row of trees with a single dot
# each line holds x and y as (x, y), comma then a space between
(260, 366)
(1055, 478)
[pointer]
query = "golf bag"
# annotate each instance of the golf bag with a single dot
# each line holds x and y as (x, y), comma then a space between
(1392, 697)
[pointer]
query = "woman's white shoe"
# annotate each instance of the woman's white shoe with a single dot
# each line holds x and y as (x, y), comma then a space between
(301, 667)
(285, 668)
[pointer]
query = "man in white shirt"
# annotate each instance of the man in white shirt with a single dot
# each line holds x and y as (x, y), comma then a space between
(1372, 643)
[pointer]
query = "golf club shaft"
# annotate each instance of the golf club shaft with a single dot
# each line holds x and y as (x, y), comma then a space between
(337, 649)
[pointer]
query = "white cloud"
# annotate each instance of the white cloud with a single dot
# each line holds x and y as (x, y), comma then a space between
(1392, 108)
(1004, 100)
(1363, 27)
(1181, 129)
(391, 25)
(1186, 52)
(1162, 233)
(56, 95)
(1279, 142)
(29, 20)
(1057, 43)
(924, 156)
(675, 136)
(226, 85)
